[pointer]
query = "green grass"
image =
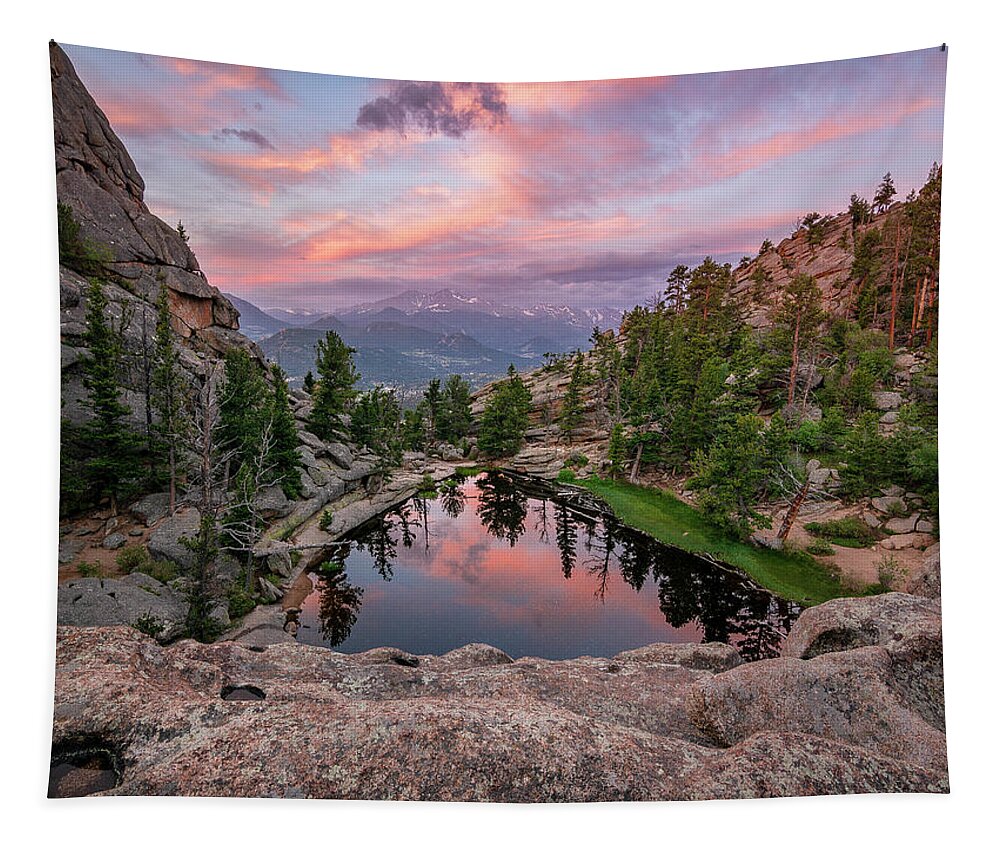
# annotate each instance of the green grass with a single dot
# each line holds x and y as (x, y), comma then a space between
(794, 576)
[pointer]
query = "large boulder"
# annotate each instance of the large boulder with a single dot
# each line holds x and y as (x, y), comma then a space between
(852, 622)
(848, 697)
(926, 580)
(111, 602)
(165, 541)
(152, 508)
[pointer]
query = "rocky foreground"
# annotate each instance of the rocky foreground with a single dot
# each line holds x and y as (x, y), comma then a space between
(855, 704)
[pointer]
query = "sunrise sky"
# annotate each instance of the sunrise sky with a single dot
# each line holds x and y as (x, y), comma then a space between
(304, 190)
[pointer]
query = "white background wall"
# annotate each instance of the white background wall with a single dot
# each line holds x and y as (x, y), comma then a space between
(510, 40)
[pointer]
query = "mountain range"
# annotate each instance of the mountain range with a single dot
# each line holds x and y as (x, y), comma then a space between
(407, 339)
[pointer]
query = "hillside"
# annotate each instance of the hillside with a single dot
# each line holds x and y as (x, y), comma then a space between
(822, 345)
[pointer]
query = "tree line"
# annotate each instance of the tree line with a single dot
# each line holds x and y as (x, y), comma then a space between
(682, 386)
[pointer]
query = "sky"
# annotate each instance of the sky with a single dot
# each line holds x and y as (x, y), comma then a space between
(311, 191)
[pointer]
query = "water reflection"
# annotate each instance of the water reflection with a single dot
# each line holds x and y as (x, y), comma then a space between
(435, 576)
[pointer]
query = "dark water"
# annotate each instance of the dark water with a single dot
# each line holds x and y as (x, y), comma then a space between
(509, 562)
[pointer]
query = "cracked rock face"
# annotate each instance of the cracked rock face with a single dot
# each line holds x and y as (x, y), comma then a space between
(661, 722)
(97, 178)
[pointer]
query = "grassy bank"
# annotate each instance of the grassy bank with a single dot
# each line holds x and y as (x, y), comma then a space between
(796, 577)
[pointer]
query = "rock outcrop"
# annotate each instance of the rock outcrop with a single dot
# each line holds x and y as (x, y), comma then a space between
(661, 722)
(96, 178)
(108, 602)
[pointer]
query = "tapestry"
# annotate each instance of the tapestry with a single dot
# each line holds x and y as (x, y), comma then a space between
(516, 442)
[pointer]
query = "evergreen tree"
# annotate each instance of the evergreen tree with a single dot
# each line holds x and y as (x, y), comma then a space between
(455, 413)
(375, 423)
(414, 434)
(113, 465)
(505, 418)
(732, 474)
(309, 382)
(571, 413)
(334, 391)
(884, 194)
(860, 211)
(799, 314)
(283, 459)
(168, 395)
(181, 232)
(865, 271)
(243, 413)
(616, 449)
(432, 401)
(676, 289)
(200, 624)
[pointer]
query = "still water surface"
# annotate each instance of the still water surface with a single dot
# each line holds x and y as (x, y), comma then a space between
(510, 562)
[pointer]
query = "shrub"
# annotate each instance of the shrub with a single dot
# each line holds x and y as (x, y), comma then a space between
(566, 475)
(820, 548)
(149, 624)
(428, 487)
(889, 571)
(240, 602)
(326, 518)
(161, 571)
(132, 557)
(848, 532)
(89, 568)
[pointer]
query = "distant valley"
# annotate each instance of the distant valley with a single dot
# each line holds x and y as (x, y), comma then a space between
(407, 339)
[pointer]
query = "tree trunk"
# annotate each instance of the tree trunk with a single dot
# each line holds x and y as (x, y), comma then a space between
(894, 290)
(173, 480)
(634, 475)
(918, 299)
(930, 304)
(793, 510)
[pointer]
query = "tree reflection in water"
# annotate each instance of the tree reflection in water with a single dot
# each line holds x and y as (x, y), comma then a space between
(339, 601)
(503, 507)
(725, 603)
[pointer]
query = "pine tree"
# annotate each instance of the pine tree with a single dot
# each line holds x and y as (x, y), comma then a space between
(884, 194)
(571, 413)
(112, 466)
(200, 624)
(432, 400)
(284, 457)
(800, 313)
(505, 418)
(676, 288)
(860, 211)
(455, 414)
(375, 424)
(242, 412)
(616, 449)
(168, 395)
(308, 383)
(730, 477)
(181, 232)
(334, 391)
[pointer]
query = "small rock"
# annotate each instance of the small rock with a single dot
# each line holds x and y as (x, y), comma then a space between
(114, 541)
(924, 526)
(873, 521)
(917, 540)
(887, 400)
